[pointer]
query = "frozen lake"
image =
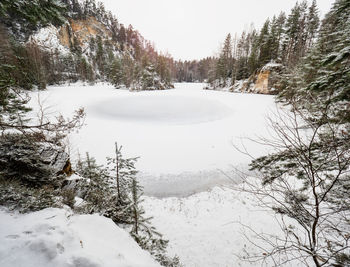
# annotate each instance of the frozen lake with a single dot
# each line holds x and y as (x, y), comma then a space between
(185, 137)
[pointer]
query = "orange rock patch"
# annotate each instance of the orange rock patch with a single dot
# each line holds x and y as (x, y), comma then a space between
(64, 36)
(262, 82)
(83, 30)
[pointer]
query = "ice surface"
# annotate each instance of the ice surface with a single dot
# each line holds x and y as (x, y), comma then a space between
(186, 140)
(163, 109)
(186, 134)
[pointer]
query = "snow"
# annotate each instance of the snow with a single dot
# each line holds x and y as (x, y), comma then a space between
(56, 237)
(271, 65)
(162, 109)
(206, 229)
(186, 139)
(186, 134)
(47, 38)
(74, 177)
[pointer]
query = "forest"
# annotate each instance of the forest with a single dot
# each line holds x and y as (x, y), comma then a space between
(303, 179)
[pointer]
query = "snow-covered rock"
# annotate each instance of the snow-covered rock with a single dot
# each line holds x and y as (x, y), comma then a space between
(47, 38)
(56, 237)
(55, 157)
(265, 80)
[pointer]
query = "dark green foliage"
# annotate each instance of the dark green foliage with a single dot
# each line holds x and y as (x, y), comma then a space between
(23, 198)
(11, 78)
(31, 14)
(265, 43)
(283, 39)
(68, 197)
(322, 80)
(32, 65)
(116, 73)
(310, 171)
(114, 192)
(193, 71)
(96, 190)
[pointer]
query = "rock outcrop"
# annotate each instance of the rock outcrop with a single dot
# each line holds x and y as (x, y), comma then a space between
(79, 32)
(265, 81)
(34, 163)
(72, 34)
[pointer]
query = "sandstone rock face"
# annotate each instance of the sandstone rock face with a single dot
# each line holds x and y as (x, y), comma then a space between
(264, 81)
(81, 31)
(65, 35)
(71, 34)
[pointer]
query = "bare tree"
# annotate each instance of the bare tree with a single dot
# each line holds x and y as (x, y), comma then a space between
(305, 180)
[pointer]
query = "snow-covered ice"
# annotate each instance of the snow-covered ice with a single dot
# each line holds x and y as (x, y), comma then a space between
(206, 229)
(56, 237)
(186, 140)
(162, 109)
(182, 135)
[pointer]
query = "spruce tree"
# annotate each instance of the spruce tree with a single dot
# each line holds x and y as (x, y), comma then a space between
(313, 23)
(307, 179)
(264, 44)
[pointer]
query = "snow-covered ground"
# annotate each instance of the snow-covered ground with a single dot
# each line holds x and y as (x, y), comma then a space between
(56, 237)
(208, 229)
(185, 137)
(186, 140)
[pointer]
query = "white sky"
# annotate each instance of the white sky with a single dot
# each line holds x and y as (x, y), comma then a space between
(193, 29)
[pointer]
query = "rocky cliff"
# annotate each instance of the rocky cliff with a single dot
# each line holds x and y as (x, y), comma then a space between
(90, 44)
(264, 81)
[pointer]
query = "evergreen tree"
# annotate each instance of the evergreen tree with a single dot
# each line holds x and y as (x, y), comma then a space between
(308, 178)
(10, 104)
(274, 38)
(116, 74)
(26, 16)
(98, 192)
(265, 44)
(313, 23)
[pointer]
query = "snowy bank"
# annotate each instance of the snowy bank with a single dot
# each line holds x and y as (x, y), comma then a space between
(211, 228)
(56, 237)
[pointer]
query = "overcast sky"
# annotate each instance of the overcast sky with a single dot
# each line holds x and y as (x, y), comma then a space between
(193, 29)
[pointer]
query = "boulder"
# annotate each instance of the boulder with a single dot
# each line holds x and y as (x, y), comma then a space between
(32, 162)
(266, 80)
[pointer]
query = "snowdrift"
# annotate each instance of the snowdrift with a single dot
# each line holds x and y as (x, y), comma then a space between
(56, 237)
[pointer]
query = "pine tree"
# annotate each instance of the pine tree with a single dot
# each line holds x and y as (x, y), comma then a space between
(313, 23)
(123, 170)
(144, 233)
(227, 56)
(264, 44)
(307, 180)
(31, 14)
(323, 77)
(12, 107)
(116, 74)
(275, 37)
